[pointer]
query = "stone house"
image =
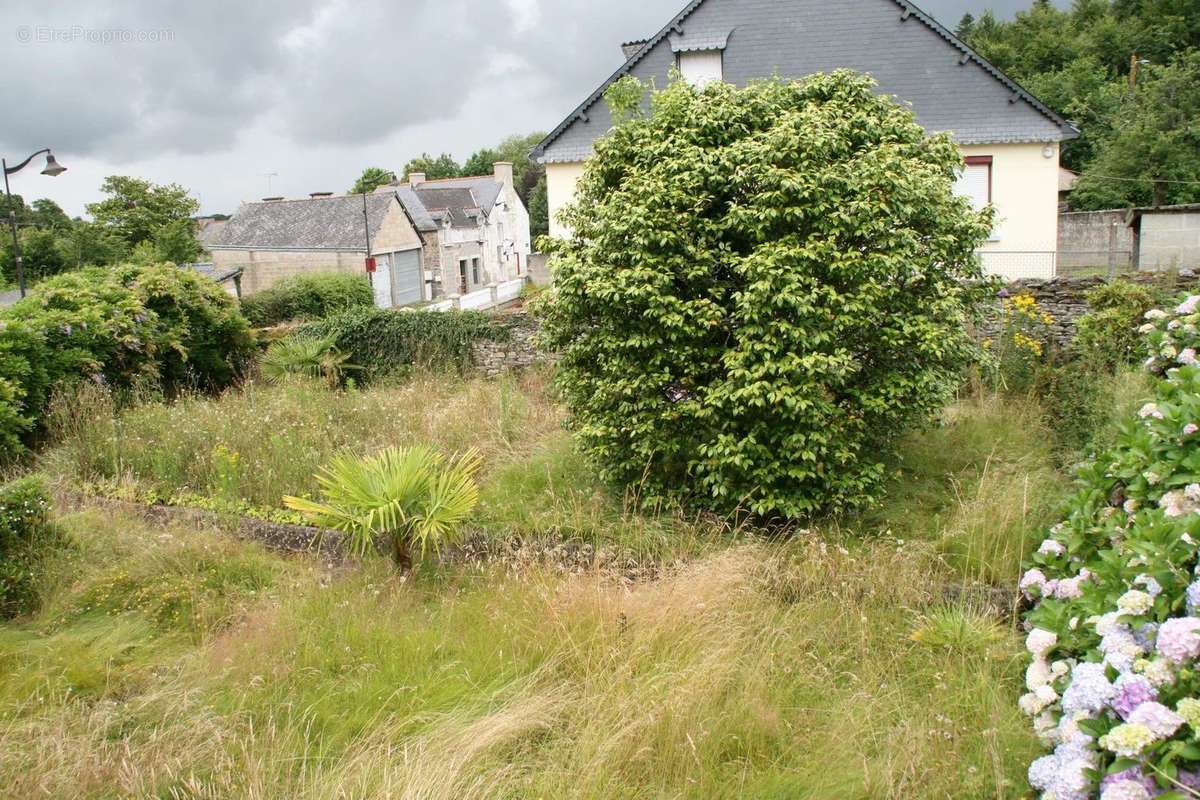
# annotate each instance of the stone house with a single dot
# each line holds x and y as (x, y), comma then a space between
(278, 238)
(474, 231)
(1010, 139)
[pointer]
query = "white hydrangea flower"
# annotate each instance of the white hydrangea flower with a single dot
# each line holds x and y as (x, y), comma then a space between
(1188, 306)
(1155, 313)
(1051, 547)
(1158, 671)
(1039, 641)
(1150, 410)
(1152, 587)
(1135, 602)
(1146, 328)
(1090, 689)
(1059, 668)
(1037, 674)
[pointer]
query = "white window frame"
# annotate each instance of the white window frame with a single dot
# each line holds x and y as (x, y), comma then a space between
(701, 67)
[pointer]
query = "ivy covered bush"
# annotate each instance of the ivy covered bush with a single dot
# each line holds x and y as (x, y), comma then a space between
(763, 288)
(308, 297)
(119, 326)
(1113, 687)
(391, 342)
(1108, 335)
(27, 535)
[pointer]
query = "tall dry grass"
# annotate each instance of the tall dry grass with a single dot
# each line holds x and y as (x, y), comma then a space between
(765, 670)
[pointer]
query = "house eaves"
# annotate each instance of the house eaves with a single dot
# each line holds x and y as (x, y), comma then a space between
(907, 10)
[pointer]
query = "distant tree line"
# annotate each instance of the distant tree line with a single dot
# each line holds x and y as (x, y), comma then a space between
(529, 178)
(1127, 72)
(137, 221)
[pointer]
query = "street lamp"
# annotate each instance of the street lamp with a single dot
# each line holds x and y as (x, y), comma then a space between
(52, 168)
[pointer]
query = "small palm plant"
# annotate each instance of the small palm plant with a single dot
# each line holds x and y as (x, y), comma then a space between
(315, 357)
(411, 497)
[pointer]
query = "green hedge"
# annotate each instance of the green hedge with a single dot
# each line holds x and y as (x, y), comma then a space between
(121, 326)
(388, 342)
(26, 536)
(308, 297)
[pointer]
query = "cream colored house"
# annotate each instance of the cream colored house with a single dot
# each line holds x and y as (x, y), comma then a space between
(278, 238)
(1010, 139)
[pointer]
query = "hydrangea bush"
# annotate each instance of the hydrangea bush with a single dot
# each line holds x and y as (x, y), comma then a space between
(1114, 631)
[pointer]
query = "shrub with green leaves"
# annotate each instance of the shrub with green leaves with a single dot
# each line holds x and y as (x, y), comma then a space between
(1108, 334)
(308, 297)
(391, 342)
(1113, 685)
(764, 287)
(122, 326)
(26, 536)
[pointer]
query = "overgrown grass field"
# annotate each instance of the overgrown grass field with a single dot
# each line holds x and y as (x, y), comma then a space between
(828, 662)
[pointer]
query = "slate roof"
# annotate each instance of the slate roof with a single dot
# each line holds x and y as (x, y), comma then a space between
(842, 33)
(463, 200)
(316, 223)
(209, 270)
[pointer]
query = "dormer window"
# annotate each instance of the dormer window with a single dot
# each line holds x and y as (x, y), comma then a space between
(700, 67)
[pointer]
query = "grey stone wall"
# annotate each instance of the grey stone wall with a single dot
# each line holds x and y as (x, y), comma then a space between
(517, 351)
(1087, 238)
(539, 269)
(1065, 298)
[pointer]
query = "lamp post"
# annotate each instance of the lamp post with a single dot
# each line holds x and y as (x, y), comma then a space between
(52, 168)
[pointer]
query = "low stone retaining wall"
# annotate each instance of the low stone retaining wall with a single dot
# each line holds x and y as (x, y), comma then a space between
(280, 537)
(1065, 298)
(518, 351)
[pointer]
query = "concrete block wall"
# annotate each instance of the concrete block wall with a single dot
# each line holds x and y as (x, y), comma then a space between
(1085, 239)
(1169, 241)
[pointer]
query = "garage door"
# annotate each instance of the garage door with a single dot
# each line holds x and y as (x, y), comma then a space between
(406, 277)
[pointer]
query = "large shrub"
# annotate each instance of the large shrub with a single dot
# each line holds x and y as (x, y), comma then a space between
(763, 288)
(1115, 630)
(26, 537)
(390, 342)
(1108, 335)
(120, 326)
(307, 297)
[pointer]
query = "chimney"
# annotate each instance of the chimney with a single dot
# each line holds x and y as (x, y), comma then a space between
(320, 194)
(271, 199)
(416, 177)
(503, 172)
(628, 49)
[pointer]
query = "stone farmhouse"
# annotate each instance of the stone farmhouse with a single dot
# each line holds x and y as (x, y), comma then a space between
(1009, 138)
(429, 240)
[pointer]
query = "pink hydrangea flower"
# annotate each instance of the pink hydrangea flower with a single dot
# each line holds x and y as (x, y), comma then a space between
(1161, 721)
(1179, 639)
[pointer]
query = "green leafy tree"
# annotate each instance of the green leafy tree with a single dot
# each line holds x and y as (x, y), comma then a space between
(176, 242)
(91, 244)
(371, 179)
(40, 253)
(411, 497)
(1152, 154)
(45, 213)
(539, 210)
(444, 166)
(137, 209)
(763, 289)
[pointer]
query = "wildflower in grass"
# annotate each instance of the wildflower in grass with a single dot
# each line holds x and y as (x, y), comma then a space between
(1132, 691)
(1160, 720)
(1135, 602)
(1179, 639)
(1128, 740)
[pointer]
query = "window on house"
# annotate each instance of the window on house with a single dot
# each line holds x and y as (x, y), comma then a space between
(975, 181)
(475, 270)
(462, 276)
(699, 67)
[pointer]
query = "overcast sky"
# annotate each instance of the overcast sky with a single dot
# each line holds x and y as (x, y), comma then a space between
(213, 95)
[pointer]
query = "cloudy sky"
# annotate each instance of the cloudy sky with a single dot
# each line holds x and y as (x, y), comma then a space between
(214, 95)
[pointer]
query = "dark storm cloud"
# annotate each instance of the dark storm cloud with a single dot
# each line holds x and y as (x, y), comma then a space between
(129, 80)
